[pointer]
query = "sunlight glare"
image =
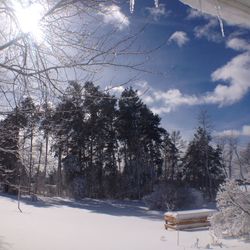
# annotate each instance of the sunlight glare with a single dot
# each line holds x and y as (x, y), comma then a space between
(29, 19)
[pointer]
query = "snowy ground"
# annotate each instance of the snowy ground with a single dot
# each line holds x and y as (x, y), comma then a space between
(62, 224)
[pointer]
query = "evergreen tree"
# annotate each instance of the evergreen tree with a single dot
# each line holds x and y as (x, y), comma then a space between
(68, 128)
(12, 171)
(202, 164)
(31, 117)
(108, 118)
(140, 137)
(85, 137)
(172, 146)
(46, 127)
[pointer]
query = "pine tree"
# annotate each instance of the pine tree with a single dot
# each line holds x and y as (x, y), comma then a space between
(172, 146)
(46, 127)
(31, 116)
(85, 137)
(67, 124)
(202, 164)
(140, 137)
(12, 172)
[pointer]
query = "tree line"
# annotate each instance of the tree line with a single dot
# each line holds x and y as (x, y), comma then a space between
(92, 144)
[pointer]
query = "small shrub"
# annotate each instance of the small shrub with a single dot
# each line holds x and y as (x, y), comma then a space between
(173, 197)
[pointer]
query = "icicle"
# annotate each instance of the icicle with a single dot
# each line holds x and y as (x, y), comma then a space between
(156, 3)
(132, 5)
(221, 26)
(200, 3)
(218, 8)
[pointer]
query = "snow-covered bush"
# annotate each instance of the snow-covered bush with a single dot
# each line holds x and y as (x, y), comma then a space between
(233, 218)
(173, 197)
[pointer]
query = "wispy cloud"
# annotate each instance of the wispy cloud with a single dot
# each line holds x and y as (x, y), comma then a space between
(208, 31)
(244, 131)
(179, 37)
(193, 14)
(157, 13)
(113, 15)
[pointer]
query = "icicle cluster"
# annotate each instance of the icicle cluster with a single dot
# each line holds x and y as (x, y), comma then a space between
(132, 5)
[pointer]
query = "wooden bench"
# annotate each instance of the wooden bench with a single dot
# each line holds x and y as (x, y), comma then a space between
(189, 219)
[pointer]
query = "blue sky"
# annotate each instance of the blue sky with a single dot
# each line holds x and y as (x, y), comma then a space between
(196, 68)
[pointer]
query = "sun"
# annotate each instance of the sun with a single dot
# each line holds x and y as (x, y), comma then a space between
(29, 19)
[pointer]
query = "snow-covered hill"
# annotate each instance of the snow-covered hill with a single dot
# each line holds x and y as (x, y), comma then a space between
(63, 224)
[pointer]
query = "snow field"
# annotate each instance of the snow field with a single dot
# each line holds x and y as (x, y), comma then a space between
(61, 224)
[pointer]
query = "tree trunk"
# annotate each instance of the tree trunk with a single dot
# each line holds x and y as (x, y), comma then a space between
(46, 156)
(31, 160)
(59, 172)
(38, 168)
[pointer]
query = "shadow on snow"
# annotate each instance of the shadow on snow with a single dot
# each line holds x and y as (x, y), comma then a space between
(109, 207)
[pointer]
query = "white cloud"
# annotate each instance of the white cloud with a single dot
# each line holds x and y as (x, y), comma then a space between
(165, 102)
(148, 99)
(117, 90)
(157, 13)
(244, 131)
(174, 97)
(228, 133)
(236, 73)
(179, 37)
(233, 85)
(113, 15)
(161, 110)
(238, 44)
(114, 90)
